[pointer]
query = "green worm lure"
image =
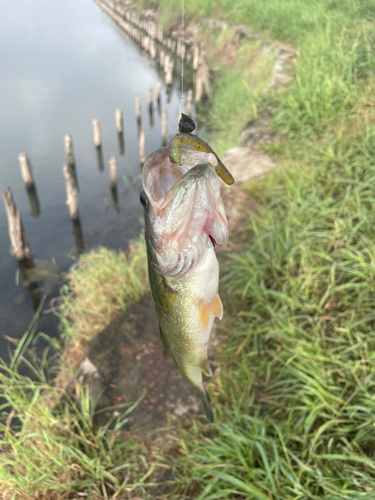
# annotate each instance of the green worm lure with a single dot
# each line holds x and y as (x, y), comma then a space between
(186, 126)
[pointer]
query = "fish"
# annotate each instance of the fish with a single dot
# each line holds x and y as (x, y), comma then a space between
(184, 220)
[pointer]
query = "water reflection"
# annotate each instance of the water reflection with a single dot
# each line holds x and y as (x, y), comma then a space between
(114, 195)
(99, 156)
(34, 202)
(78, 235)
(121, 143)
(30, 283)
(151, 116)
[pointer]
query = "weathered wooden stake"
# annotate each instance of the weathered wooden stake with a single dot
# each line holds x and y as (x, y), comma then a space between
(112, 172)
(169, 74)
(164, 126)
(68, 146)
(196, 58)
(198, 87)
(152, 49)
(97, 133)
(18, 240)
(189, 102)
(71, 192)
(119, 120)
(142, 145)
(138, 108)
(26, 172)
(161, 58)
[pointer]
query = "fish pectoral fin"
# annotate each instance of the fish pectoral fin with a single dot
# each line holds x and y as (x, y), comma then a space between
(205, 367)
(167, 296)
(214, 308)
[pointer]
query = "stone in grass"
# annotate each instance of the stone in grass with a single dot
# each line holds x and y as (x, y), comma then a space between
(245, 164)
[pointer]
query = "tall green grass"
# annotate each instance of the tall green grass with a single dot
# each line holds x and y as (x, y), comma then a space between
(50, 446)
(101, 284)
(294, 397)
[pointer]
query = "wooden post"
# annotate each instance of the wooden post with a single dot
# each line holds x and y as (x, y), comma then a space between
(119, 120)
(71, 192)
(198, 87)
(161, 58)
(164, 126)
(112, 172)
(26, 172)
(97, 133)
(196, 58)
(189, 102)
(142, 145)
(18, 240)
(68, 146)
(152, 49)
(169, 74)
(138, 109)
(166, 63)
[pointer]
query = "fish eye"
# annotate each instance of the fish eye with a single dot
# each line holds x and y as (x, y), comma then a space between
(142, 198)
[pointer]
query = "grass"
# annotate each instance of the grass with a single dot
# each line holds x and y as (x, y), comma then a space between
(101, 285)
(50, 446)
(294, 396)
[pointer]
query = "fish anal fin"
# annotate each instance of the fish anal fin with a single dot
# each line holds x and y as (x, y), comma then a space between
(209, 309)
(205, 367)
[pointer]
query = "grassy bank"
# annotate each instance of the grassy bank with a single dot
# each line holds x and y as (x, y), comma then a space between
(49, 443)
(294, 394)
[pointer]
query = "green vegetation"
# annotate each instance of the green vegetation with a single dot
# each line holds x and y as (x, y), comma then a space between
(294, 396)
(49, 443)
(51, 448)
(101, 285)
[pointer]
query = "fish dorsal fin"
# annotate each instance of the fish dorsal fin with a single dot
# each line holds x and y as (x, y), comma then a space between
(207, 310)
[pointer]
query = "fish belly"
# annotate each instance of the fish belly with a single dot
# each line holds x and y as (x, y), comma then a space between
(187, 324)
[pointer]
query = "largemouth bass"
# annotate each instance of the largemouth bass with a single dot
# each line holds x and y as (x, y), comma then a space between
(184, 219)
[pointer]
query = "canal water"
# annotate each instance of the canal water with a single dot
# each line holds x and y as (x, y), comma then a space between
(62, 64)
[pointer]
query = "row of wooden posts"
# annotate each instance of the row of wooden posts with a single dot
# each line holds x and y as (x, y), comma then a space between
(148, 34)
(17, 235)
(133, 26)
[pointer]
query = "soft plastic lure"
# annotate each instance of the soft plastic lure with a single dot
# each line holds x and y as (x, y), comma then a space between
(185, 126)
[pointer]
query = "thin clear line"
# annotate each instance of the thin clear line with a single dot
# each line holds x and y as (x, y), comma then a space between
(182, 60)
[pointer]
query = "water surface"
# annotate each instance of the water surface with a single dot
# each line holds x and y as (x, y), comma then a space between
(62, 64)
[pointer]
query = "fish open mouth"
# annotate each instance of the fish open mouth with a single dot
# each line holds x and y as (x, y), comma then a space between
(186, 211)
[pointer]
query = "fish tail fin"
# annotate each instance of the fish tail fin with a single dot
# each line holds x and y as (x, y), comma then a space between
(206, 400)
(194, 375)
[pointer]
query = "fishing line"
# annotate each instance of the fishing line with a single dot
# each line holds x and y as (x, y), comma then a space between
(182, 45)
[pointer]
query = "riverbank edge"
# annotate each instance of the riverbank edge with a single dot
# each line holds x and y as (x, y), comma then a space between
(245, 161)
